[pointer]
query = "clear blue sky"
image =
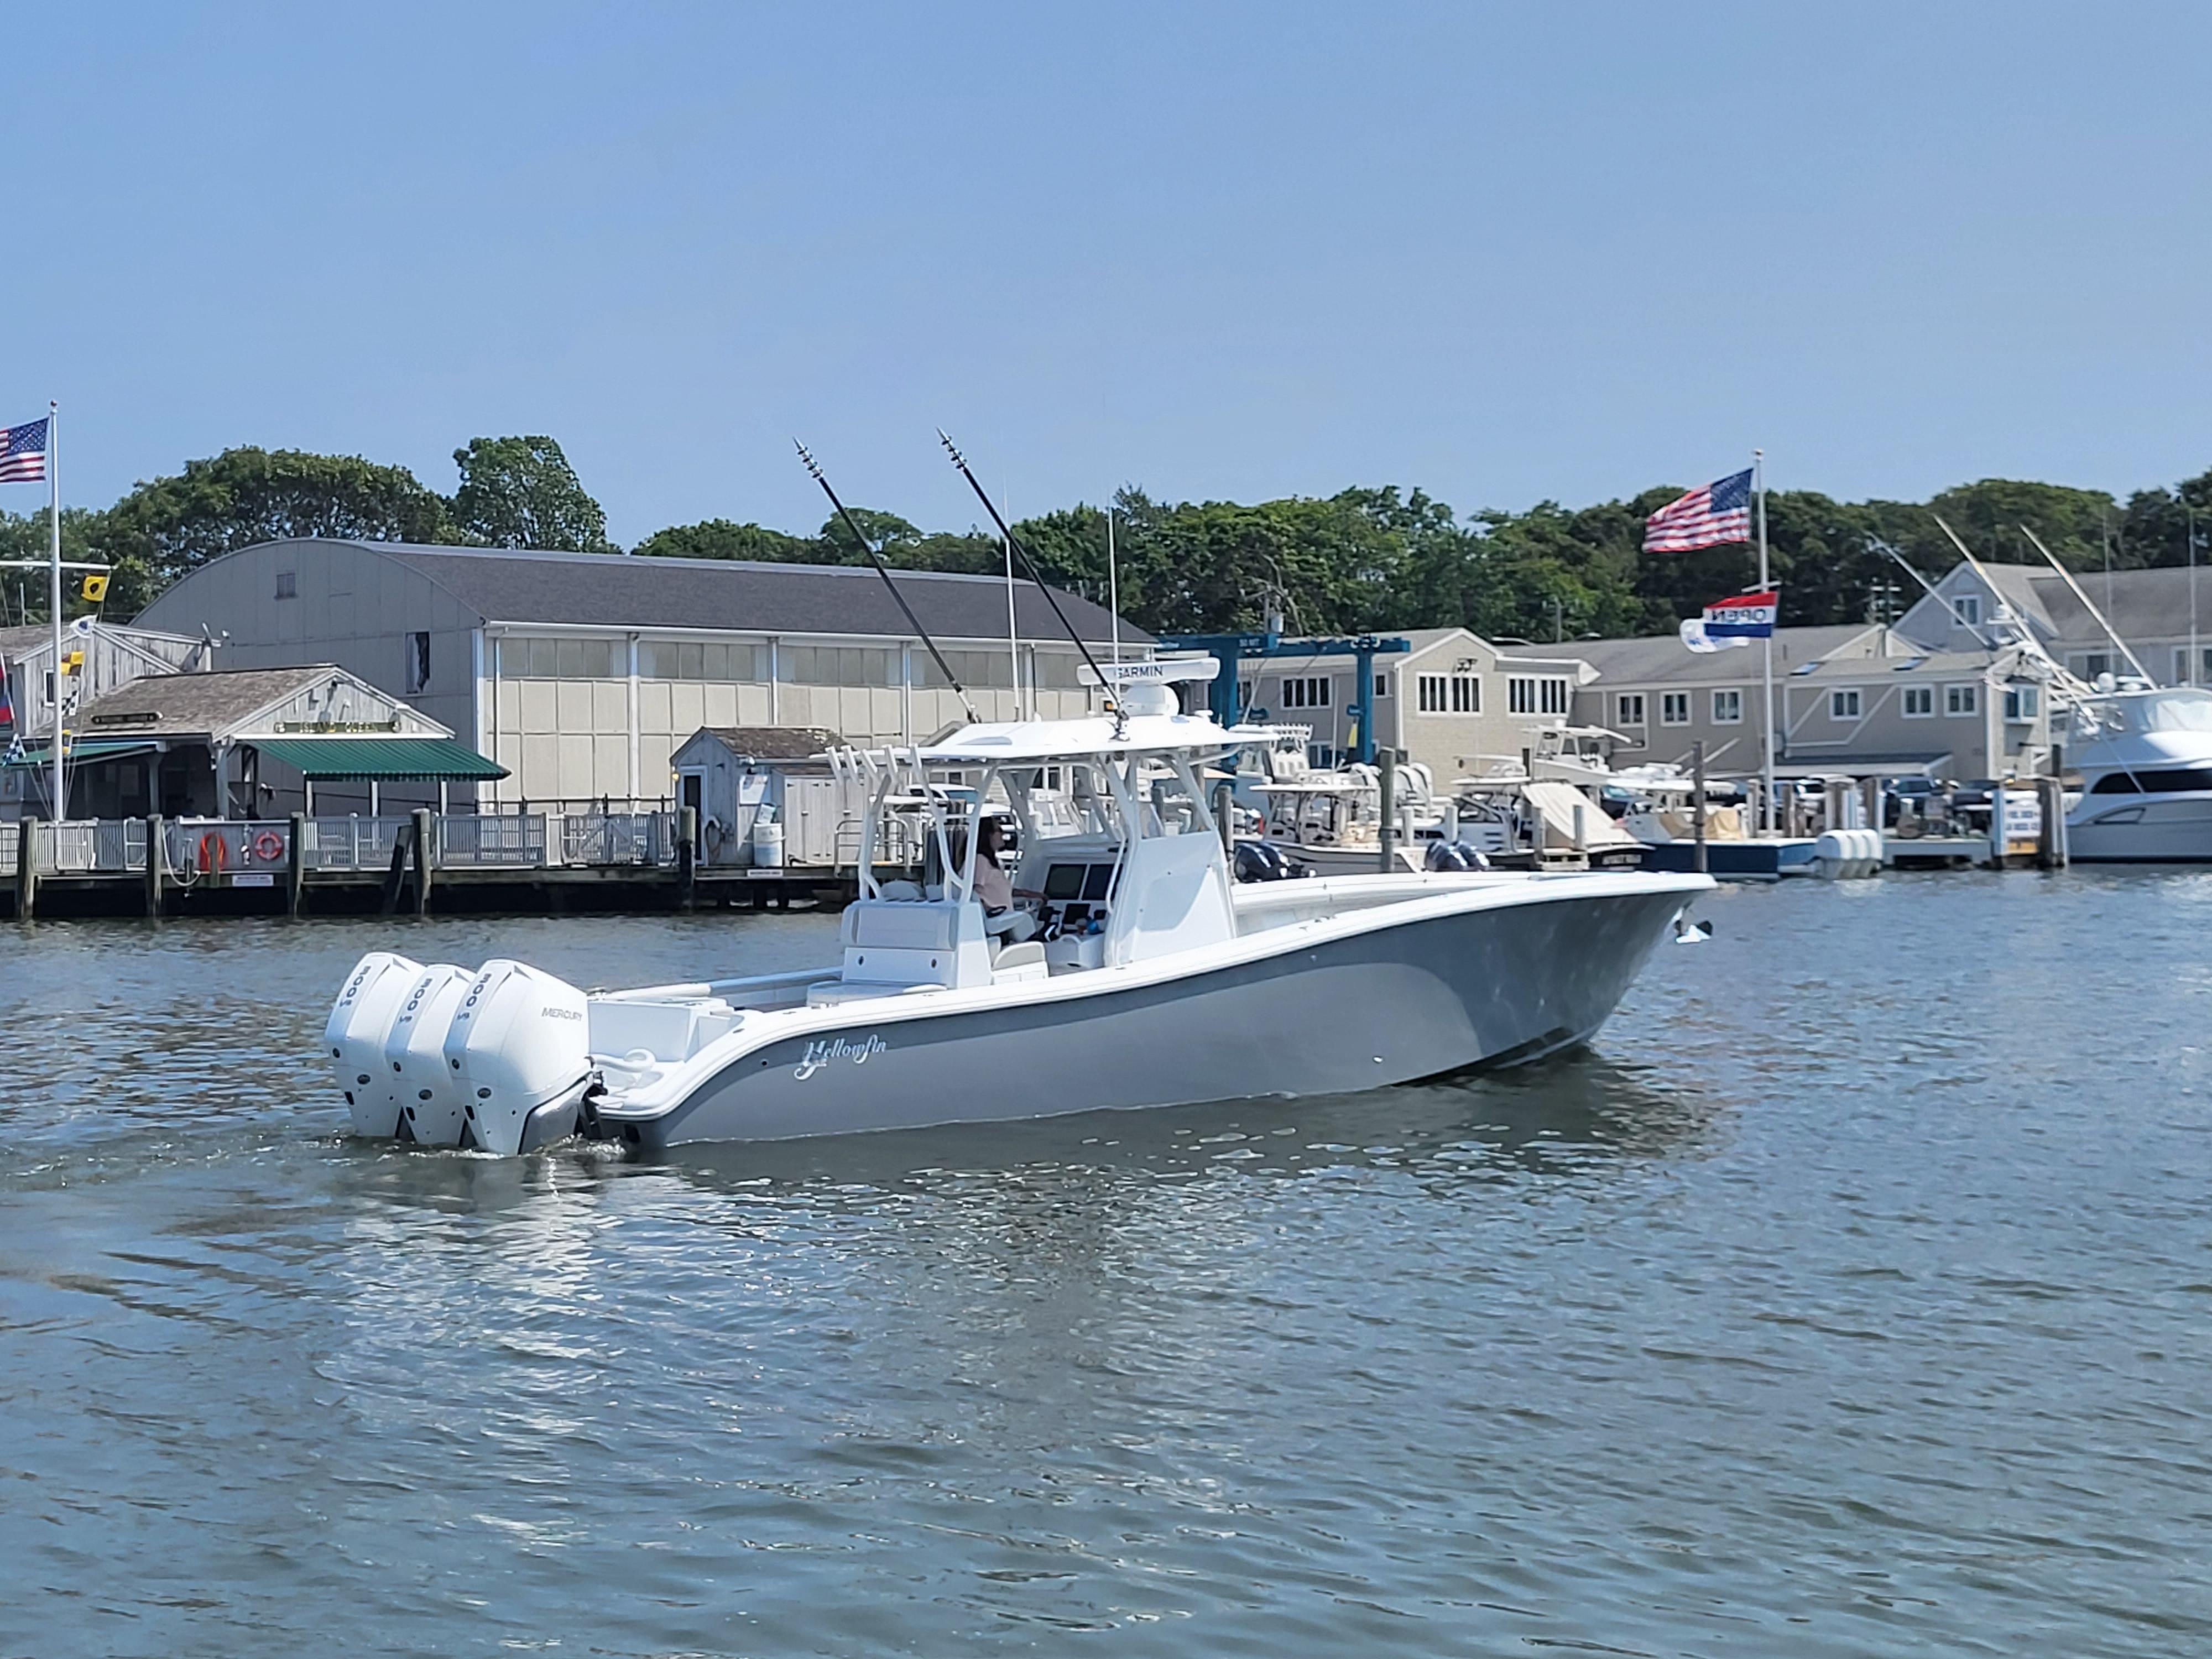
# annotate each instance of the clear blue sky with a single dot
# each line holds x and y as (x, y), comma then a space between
(1502, 253)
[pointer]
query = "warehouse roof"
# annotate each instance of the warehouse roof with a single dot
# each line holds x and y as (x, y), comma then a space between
(510, 585)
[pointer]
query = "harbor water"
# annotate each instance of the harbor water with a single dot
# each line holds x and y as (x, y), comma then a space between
(1852, 1297)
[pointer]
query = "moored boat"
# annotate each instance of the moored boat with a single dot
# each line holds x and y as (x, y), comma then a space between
(1121, 966)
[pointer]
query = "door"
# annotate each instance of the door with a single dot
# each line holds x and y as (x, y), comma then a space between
(692, 791)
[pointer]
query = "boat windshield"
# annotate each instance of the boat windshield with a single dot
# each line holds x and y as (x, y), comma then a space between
(2176, 711)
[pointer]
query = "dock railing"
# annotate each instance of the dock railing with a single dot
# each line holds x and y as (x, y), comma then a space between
(618, 839)
(220, 846)
(487, 841)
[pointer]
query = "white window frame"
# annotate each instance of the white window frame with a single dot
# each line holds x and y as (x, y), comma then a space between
(1844, 703)
(1923, 694)
(1520, 695)
(1628, 709)
(1554, 697)
(1674, 708)
(1430, 695)
(1381, 685)
(2021, 703)
(1466, 694)
(1962, 699)
(1732, 704)
(1967, 608)
(1306, 691)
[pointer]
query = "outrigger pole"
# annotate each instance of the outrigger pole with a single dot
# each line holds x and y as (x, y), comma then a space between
(1029, 568)
(883, 571)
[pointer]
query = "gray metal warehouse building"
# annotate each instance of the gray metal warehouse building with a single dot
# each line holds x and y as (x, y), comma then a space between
(581, 673)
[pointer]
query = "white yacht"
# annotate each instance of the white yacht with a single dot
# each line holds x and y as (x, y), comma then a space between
(1130, 971)
(2145, 761)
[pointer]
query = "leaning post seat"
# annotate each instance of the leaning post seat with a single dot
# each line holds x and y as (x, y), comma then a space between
(895, 942)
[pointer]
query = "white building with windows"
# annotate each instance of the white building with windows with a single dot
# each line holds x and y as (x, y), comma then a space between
(581, 673)
(1454, 702)
(2162, 615)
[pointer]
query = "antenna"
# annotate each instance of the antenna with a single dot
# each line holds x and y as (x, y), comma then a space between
(2085, 605)
(876, 559)
(1029, 565)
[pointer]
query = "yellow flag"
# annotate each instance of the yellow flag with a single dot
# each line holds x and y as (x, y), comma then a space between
(95, 587)
(73, 662)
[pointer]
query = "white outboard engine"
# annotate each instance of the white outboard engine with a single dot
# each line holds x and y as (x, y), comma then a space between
(517, 1046)
(360, 1021)
(433, 1106)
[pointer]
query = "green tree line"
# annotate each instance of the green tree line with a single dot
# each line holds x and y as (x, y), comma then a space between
(1361, 560)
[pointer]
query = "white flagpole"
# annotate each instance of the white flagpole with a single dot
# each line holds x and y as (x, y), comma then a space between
(2195, 675)
(54, 570)
(1113, 584)
(1759, 485)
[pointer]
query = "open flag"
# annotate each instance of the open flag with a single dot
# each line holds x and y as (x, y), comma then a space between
(1713, 516)
(23, 453)
(7, 701)
(1736, 621)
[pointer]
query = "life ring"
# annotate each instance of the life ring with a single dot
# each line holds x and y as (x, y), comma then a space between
(215, 852)
(268, 846)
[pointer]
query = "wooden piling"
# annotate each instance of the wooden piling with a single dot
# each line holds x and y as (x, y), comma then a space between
(687, 854)
(295, 866)
(1388, 806)
(157, 865)
(1697, 802)
(425, 850)
(26, 870)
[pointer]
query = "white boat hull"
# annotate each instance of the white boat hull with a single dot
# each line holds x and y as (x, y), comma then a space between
(1502, 970)
(2141, 830)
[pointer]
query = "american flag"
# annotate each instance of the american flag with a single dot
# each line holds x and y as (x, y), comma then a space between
(1710, 517)
(23, 453)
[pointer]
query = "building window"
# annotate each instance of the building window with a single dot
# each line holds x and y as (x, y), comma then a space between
(1247, 690)
(1919, 701)
(846, 665)
(521, 657)
(1962, 699)
(1728, 707)
(1306, 691)
(1968, 609)
(1534, 696)
(713, 660)
(1466, 695)
(2092, 663)
(418, 662)
(2021, 702)
(985, 671)
(1381, 685)
(288, 584)
(1429, 692)
(1674, 708)
(2181, 676)
(1628, 708)
(1844, 704)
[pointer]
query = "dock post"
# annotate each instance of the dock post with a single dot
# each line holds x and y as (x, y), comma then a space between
(1870, 793)
(1997, 860)
(1582, 831)
(1698, 801)
(26, 869)
(423, 847)
(686, 852)
(2050, 842)
(157, 864)
(1385, 807)
(295, 868)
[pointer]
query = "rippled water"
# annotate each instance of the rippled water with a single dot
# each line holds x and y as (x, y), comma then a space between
(1851, 1298)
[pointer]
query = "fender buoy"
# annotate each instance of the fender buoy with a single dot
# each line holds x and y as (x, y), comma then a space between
(215, 852)
(268, 846)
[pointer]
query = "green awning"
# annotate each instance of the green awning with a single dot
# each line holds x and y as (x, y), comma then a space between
(83, 751)
(383, 759)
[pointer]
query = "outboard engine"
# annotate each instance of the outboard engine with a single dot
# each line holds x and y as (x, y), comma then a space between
(432, 1104)
(360, 1021)
(517, 1047)
(1261, 860)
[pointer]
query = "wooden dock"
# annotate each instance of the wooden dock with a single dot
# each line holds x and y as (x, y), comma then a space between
(423, 863)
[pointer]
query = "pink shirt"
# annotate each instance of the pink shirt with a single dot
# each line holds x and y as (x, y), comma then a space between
(994, 886)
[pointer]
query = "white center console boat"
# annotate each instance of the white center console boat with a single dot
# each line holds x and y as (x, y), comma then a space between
(1131, 970)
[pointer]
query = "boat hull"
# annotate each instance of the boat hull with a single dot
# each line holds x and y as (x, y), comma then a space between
(1385, 1005)
(2158, 829)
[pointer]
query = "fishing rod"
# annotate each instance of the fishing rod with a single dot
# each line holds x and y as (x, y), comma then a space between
(883, 571)
(2068, 577)
(1029, 565)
